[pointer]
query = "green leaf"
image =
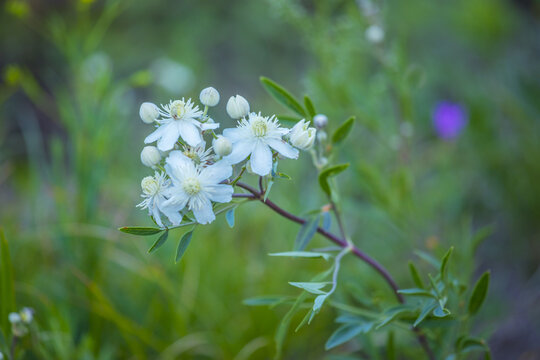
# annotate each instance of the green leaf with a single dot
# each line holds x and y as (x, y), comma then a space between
(416, 292)
(344, 129)
(311, 287)
(415, 275)
(284, 176)
(426, 310)
(266, 300)
(282, 96)
(288, 119)
(140, 230)
(306, 233)
(304, 254)
(347, 332)
(229, 216)
(392, 315)
(183, 244)
(309, 106)
(305, 320)
(326, 220)
(441, 312)
(281, 331)
(444, 262)
(469, 344)
(479, 293)
(7, 290)
(329, 172)
(160, 241)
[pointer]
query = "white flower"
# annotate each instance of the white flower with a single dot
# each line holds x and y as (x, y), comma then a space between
(179, 120)
(375, 34)
(148, 112)
(14, 318)
(150, 156)
(320, 120)
(155, 189)
(255, 136)
(27, 315)
(197, 187)
(198, 154)
(222, 146)
(209, 96)
(237, 107)
(302, 136)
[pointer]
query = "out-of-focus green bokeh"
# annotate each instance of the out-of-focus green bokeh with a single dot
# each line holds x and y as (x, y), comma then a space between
(75, 72)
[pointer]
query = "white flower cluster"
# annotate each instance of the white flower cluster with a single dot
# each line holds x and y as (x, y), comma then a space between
(20, 321)
(191, 178)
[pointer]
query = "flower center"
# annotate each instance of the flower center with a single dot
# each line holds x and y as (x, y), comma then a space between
(193, 156)
(192, 186)
(149, 185)
(259, 127)
(178, 109)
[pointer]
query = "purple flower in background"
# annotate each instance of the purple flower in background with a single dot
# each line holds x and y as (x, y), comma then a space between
(449, 119)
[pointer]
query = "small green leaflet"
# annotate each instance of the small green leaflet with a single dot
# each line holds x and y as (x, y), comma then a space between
(416, 292)
(268, 300)
(309, 106)
(306, 233)
(183, 244)
(160, 241)
(479, 293)
(426, 310)
(229, 216)
(304, 254)
(393, 314)
(415, 275)
(441, 312)
(282, 96)
(444, 262)
(139, 230)
(329, 172)
(327, 220)
(311, 287)
(344, 129)
(347, 332)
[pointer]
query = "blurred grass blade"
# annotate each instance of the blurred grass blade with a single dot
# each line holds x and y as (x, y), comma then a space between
(479, 293)
(160, 241)
(7, 292)
(282, 96)
(140, 230)
(343, 130)
(183, 244)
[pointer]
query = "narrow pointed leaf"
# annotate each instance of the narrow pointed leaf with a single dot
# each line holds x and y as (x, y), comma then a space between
(7, 290)
(183, 244)
(229, 216)
(415, 275)
(140, 230)
(344, 129)
(329, 172)
(304, 254)
(416, 292)
(347, 332)
(282, 96)
(479, 293)
(159, 242)
(326, 220)
(392, 315)
(309, 106)
(306, 233)
(426, 310)
(266, 300)
(311, 287)
(444, 262)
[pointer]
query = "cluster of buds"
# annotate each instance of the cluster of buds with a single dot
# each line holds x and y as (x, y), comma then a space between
(20, 321)
(189, 177)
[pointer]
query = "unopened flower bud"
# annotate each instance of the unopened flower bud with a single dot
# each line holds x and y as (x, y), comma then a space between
(320, 120)
(302, 136)
(150, 156)
(237, 107)
(209, 96)
(149, 185)
(375, 34)
(148, 112)
(14, 318)
(222, 146)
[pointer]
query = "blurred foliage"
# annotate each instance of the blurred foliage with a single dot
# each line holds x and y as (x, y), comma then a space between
(74, 73)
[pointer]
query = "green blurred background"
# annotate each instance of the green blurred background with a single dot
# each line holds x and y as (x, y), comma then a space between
(73, 74)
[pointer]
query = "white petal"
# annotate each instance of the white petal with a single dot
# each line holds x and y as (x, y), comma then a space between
(157, 134)
(236, 134)
(219, 193)
(179, 166)
(155, 214)
(172, 212)
(208, 126)
(240, 151)
(216, 173)
(204, 213)
(169, 137)
(190, 133)
(283, 148)
(178, 199)
(261, 159)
